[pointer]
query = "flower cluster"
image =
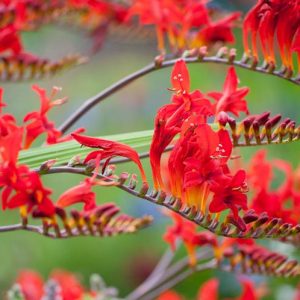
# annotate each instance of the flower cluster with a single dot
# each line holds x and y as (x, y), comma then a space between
(198, 171)
(18, 16)
(97, 16)
(186, 24)
(29, 14)
(186, 231)
(273, 21)
(22, 187)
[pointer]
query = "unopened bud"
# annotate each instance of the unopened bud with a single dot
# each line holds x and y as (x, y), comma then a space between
(202, 53)
(47, 165)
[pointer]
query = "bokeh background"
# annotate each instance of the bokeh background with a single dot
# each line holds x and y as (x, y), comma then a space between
(124, 261)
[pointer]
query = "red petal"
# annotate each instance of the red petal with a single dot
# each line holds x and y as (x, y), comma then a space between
(180, 77)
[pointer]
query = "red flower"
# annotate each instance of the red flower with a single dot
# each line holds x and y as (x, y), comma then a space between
(249, 291)
(32, 195)
(258, 166)
(10, 41)
(279, 197)
(71, 288)
(39, 122)
(264, 20)
(219, 31)
(11, 175)
(194, 14)
(231, 99)
(10, 144)
(108, 150)
(209, 290)
(170, 118)
(230, 194)
(186, 231)
(198, 162)
(31, 284)
(7, 121)
(164, 14)
(169, 295)
(81, 193)
(98, 15)
(180, 78)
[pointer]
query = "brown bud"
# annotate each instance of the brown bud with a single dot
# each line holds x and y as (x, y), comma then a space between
(250, 216)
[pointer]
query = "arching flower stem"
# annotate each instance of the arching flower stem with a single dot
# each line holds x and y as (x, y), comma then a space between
(160, 64)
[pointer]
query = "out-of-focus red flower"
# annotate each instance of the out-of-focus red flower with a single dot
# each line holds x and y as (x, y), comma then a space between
(217, 32)
(283, 198)
(209, 290)
(248, 292)
(71, 288)
(194, 15)
(297, 295)
(164, 14)
(169, 295)
(259, 166)
(108, 150)
(31, 284)
(186, 24)
(231, 99)
(186, 231)
(263, 22)
(98, 15)
(10, 41)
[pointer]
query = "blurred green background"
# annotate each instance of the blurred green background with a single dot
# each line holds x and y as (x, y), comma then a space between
(124, 260)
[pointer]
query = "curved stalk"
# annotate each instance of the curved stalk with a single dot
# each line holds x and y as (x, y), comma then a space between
(255, 229)
(166, 275)
(90, 103)
(177, 279)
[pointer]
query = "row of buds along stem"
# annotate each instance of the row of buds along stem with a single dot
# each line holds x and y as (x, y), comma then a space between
(260, 129)
(256, 225)
(27, 68)
(228, 56)
(254, 259)
(102, 221)
(36, 12)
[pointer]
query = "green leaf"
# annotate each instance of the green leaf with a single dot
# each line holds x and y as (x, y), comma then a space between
(139, 140)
